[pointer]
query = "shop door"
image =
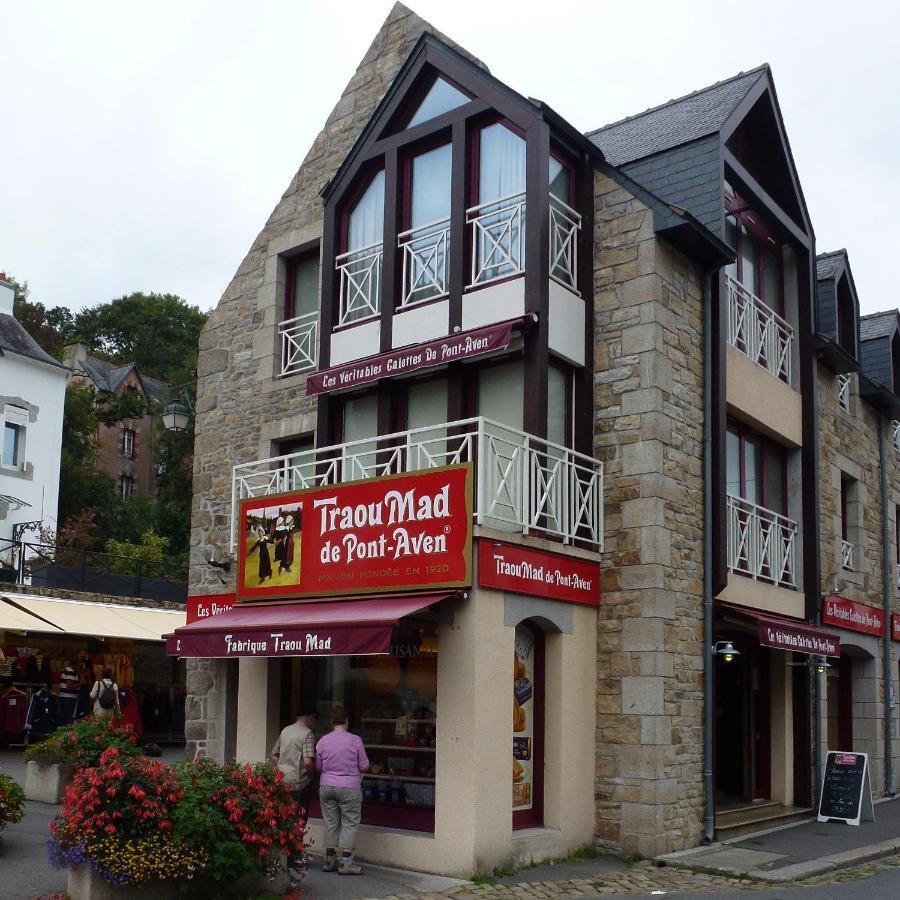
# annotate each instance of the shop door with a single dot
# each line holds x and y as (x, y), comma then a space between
(528, 728)
(761, 725)
(742, 728)
(730, 728)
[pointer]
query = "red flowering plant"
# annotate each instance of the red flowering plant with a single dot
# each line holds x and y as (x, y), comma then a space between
(117, 817)
(244, 816)
(201, 824)
(81, 743)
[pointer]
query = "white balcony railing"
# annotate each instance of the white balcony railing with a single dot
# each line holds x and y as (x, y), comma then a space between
(895, 431)
(522, 483)
(847, 556)
(299, 343)
(759, 332)
(843, 386)
(498, 238)
(426, 254)
(761, 544)
(565, 225)
(360, 289)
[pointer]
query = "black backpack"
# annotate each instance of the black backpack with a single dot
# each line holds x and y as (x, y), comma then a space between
(107, 696)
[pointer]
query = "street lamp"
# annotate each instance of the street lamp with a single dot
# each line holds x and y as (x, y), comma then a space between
(726, 650)
(176, 417)
(178, 413)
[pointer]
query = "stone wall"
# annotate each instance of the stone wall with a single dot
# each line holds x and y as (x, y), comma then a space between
(648, 409)
(848, 443)
(242, 407)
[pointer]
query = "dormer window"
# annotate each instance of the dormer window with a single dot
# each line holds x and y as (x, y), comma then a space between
(441, 97)
(360, 264)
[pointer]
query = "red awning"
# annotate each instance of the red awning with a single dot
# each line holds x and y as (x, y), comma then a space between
(352, 626)
(788, 634)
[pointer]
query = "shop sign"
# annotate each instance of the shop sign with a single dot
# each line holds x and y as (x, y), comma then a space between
(207, 605)
(895, 627)
(798, 639)
(356, 641)
(401, 532)
(852, 615)
(523, 570)
(846, 794)
(439, 352)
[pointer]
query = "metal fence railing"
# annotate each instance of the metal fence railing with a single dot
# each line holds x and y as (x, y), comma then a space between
(522, 483)
(66, 568)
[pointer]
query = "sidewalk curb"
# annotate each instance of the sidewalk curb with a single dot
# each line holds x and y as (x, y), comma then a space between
(794, 872)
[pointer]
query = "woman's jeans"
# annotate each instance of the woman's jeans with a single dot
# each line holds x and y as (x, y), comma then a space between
(341, 809)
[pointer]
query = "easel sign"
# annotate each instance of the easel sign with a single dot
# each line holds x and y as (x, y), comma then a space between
(846, 794)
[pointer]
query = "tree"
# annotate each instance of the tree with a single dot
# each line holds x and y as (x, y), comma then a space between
(51, 327)
(158, 332)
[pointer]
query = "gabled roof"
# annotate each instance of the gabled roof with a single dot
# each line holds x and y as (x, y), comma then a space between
(108, 376)
(676, 122)
(828, 264)
(878, 325)
(15, 339)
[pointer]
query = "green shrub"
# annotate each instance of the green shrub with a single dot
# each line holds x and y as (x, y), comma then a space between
(81, 743)
(12, 801)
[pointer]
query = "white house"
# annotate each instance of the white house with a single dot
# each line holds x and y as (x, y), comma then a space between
(32, 397)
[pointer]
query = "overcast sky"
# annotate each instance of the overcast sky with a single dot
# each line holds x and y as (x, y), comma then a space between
(144, 146)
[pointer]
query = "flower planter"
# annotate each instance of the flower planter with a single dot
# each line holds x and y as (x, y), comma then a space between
(46, 782)
(84, 884)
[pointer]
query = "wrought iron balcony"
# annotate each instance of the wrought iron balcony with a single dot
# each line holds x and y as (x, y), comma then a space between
(522, 483)
(360, 290)
(843, 382)
(498, 238)
(299, 343)
(758, 331)
(426, 252)
(761, 543)
(847, 556)
(897, 574)
(895, 430)
(565, 226)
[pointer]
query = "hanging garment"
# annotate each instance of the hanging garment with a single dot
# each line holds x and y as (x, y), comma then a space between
(123, 670)
(43, 714)
(38, 671)
(13, 711)
(129, 707)
(84, 706)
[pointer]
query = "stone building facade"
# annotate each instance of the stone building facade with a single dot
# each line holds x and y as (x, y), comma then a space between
(648, 396)
(660, 203)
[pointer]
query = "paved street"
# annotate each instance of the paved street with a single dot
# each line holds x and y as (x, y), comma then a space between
(25, 873)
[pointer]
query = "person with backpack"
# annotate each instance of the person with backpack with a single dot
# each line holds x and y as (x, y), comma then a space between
(105, 694)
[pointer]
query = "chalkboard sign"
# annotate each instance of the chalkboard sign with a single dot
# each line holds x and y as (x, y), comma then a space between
(846, 792)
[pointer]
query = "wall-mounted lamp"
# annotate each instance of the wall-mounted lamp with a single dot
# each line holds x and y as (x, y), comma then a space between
(726, 650)
(821, 663)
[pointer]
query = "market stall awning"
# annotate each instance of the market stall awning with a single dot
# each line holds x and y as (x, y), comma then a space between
(14, 619)
(792, 635)
(102, 620)
(352, 626)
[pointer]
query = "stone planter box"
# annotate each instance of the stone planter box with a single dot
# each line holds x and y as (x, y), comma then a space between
(46, 782)
(83, 884)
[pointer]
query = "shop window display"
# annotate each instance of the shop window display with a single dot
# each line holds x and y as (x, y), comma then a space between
(392, 705)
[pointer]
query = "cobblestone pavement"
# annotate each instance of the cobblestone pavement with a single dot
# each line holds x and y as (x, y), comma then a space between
(642, 879)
